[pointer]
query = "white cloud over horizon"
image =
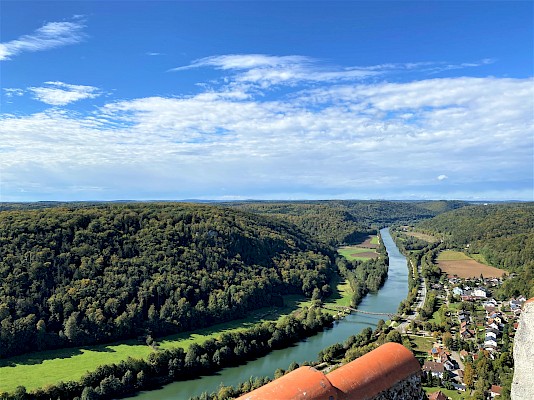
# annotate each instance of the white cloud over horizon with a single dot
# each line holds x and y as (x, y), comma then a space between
(336, 141)
(60, 93)
(49, 36)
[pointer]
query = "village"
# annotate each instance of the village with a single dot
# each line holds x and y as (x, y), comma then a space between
(467, 344)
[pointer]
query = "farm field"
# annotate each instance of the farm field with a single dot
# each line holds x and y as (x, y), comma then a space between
(422, 236)
(357, 253)
(371, 242)
(459, 264)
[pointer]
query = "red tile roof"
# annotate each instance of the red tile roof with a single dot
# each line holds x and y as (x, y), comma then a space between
(437, 396)
(360, 379)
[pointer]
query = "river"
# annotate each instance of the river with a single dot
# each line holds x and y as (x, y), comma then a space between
(386, 300)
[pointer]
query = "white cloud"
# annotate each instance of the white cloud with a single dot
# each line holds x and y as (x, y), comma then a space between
(60, 94)
(11, 92)
(49, 36)
(266, 70)
(340, 140)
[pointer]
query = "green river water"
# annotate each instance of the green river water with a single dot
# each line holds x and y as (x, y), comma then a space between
(386, 300)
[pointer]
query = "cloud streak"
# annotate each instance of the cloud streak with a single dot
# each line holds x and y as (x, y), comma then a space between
(60, 94)
(267, 70)
(49, 36)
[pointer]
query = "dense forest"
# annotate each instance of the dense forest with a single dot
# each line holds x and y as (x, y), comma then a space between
(338, 222)
(80, 275)
(502, 233)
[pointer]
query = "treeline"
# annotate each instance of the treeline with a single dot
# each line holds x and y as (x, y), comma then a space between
(364, 276)
(502, 233)
(338, 222)
(82, 275)
(165, 366)
(355, 346)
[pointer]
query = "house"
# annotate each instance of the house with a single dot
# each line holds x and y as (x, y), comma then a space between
(495, 390)
(491, 335)
(493, 325)
(459, 387)
(457, 291)
(435, 368)
(467, 333)
(480, 292)
(463, 354)
(448, 365)
(437, 396)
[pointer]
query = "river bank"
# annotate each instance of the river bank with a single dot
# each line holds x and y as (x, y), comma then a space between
(386, 300)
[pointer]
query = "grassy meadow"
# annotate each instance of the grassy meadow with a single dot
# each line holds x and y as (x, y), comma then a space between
(49, 367)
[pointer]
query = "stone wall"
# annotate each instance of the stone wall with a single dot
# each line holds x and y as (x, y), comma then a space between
(408, 389)
(523, 382)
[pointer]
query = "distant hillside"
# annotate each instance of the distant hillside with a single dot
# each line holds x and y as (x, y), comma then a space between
(337, 222)
(441, 206)
(502, 233)
(90, 274)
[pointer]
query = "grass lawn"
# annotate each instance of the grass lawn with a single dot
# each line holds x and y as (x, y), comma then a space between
(450, 255)
(342, 293)
(453, 394)
(374, 239)
(421, 345)
(351, 252)
(455, 306)
(48, 367)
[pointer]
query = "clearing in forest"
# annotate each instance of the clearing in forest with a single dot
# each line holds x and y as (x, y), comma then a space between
(422, 236)
(357, 253)
(459, 264)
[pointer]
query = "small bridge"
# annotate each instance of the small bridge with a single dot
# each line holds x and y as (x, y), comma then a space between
(342, 308)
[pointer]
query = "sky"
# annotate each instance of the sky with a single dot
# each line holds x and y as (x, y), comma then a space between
(171, 100)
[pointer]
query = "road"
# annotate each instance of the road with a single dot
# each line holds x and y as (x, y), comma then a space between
(420, 301)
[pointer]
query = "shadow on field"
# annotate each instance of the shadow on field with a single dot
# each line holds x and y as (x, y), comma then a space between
(42, 356)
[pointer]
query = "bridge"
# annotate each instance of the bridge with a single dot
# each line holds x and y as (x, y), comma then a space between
(345, 308)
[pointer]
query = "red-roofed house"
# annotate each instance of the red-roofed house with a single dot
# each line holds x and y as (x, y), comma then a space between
(495, 390)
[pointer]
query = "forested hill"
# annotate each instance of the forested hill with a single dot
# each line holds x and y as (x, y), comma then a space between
(91, 274)
(337, 222)
(502, 233)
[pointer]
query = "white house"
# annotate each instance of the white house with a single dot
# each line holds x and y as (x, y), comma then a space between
(493, 325)
(490, 342)
(491, 335)
(480, 292)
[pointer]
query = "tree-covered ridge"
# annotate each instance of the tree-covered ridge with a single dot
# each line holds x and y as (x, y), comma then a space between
(331, 225)
(503, 233)
(338, 222)
(83, 275)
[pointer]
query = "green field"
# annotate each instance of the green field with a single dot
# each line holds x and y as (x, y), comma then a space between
(44, 368)
(450, 255)
(374, 239)
(48, 367)
(422, 236)
(349, 252)
(453, 394)
(342, 293)
(481, 259)
(421, 345)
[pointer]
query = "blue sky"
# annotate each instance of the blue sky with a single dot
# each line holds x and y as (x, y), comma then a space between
(266, 100)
